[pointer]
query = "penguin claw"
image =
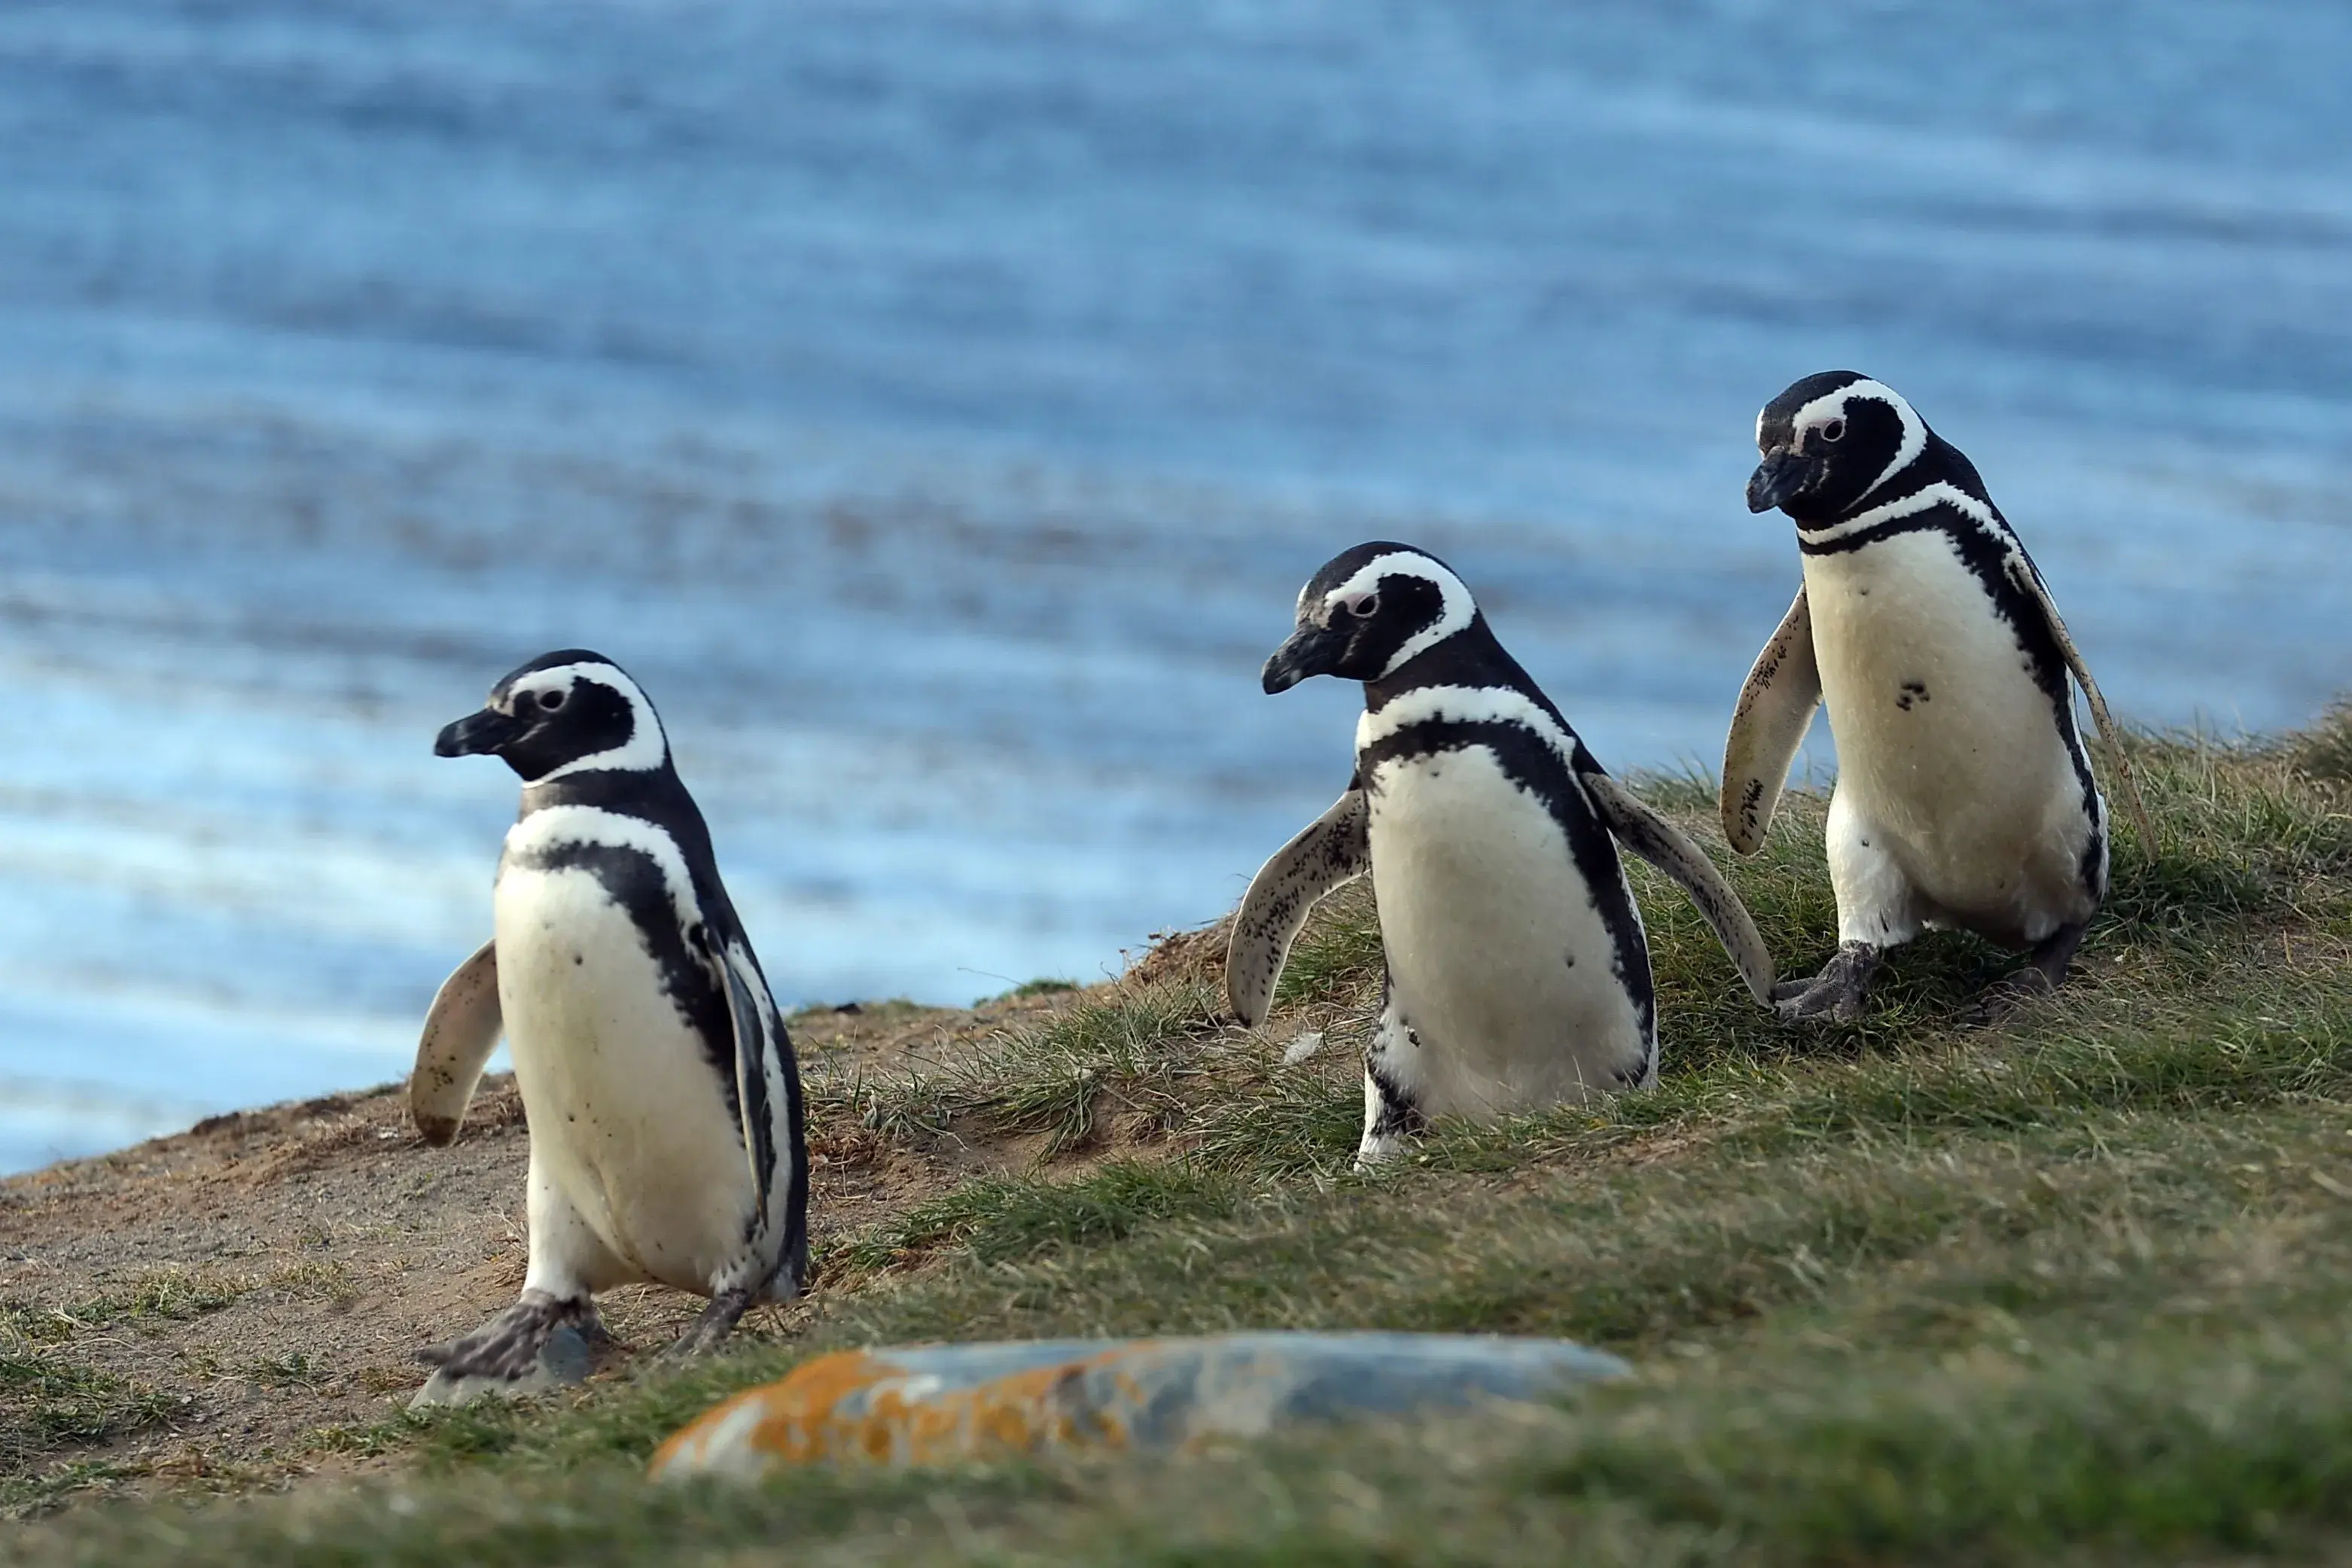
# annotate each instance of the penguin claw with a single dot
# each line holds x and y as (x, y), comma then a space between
(537, 1343)
(1837, 1002)
(716, 1321)
(1836, 992)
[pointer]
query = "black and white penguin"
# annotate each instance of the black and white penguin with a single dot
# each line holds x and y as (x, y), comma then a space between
(1519, 971)
(663, 1098)
(1964, 795)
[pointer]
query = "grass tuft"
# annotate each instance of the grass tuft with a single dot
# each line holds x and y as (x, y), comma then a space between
(1126, 1052)
(2325, 750)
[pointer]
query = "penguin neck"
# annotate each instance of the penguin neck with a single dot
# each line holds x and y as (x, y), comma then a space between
(1471, 657)
(1939, 461)
(657, 794)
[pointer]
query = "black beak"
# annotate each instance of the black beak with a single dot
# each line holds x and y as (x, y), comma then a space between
(1781, 479)
(1312, 651)
(478, 734)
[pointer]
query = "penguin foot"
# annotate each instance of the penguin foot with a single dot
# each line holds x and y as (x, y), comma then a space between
(539, 1343)
(1837, 991)
(2046, 972)
(2005, 995)
(716, 1321)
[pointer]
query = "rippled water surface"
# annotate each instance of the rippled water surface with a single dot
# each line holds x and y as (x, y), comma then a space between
(938, 405)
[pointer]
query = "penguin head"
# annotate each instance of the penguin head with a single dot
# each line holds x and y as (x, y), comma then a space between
(567, 712)
(1370, 611)
(1828, 443)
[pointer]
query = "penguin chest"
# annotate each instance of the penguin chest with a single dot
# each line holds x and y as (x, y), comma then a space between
(1501, 963)
(628, 1113)
(1948, 744)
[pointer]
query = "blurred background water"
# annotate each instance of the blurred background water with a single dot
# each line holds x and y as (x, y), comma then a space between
(938, 404)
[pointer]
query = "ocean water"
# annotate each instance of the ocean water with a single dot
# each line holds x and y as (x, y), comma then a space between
(938, 405)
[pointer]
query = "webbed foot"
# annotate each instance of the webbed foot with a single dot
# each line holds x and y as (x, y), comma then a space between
(1837, 991)
(539, 1343)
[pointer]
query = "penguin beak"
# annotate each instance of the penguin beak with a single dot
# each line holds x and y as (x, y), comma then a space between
(1312, 651)
(1779, 479)
(478, 734)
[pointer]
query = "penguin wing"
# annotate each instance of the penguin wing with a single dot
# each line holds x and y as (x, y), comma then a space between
(1776, 709)
(758, 1051)
(1668, 848)
(2022, 573)
(461, 1029)
(1335, 847)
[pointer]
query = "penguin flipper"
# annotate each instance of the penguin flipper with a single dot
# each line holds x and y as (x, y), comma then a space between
(2022, 572)
(461, 1029)
(752, 1050)
(1776, 707)
(1335, 847)
(1668, 848)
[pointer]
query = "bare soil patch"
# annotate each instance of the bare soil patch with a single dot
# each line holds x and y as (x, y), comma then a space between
(247, 1294)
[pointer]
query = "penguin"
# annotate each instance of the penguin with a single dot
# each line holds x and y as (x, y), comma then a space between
(1964, 798)
(657, 1079)
(1517, 967)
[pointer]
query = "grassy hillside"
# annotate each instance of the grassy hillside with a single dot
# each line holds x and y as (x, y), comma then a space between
(2076, 1286)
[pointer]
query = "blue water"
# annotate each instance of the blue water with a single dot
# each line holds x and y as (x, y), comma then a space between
(938, 404)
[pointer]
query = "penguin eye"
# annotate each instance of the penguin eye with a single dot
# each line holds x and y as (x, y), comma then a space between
(551, 700)
(1362, 606)
(1833, 431)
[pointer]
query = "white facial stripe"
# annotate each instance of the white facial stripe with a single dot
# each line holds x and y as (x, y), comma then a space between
(1831, 405)
(1454, 614)
(555, 826)
(1937, 493)
(646, 749)
(1463, 704)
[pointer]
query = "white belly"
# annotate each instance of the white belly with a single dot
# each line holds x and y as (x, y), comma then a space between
(1498, 957)
(1946, 746)
(627, 1113)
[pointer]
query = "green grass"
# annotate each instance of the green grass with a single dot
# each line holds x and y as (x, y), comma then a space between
(998, 1217)
(2073, 1290)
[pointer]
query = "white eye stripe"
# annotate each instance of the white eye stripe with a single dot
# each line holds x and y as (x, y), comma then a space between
(1455, 611)
(1832, 406)
(646, 747)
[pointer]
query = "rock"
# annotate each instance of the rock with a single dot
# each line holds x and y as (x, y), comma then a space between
(953, 1403)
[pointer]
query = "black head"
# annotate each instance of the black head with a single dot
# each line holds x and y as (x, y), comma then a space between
(1830, 442)
(1369, 612)
(566, 712)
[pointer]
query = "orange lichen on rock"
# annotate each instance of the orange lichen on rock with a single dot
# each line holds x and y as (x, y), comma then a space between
(957, 1404)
